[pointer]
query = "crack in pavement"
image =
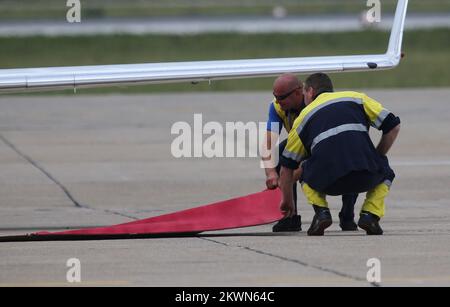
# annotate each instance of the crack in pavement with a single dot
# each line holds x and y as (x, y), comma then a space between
(302, 263)
(58, 183)
(42, 170)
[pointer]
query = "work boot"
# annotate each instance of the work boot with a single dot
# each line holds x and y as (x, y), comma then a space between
(369, 222)
(347, 223)
(321, 221)
(293, 223)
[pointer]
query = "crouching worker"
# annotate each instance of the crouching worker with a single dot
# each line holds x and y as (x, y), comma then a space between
(286, 106)
(331, 136)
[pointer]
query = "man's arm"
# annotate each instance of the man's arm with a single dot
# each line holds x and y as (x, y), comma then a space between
(269, 167)
(274, 126)
(271, 172)
(387, 140)
(383, 120)
(290, 164)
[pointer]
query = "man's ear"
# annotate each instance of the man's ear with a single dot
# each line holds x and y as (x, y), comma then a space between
(310, 91)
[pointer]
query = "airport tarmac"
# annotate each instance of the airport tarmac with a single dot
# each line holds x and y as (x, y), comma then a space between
(82, 161)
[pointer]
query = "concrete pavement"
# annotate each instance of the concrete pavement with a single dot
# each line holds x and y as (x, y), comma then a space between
(112, 155)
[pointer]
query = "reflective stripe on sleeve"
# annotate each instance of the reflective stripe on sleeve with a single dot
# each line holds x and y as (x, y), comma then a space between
(292, 155)
(388, 183)
(381, 117)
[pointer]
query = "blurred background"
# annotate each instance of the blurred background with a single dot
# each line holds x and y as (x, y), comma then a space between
(35, 33)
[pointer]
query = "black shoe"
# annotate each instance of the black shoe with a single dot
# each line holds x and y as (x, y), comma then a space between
(288, 224)
(321, 221)
(347, 223)
(369, 222)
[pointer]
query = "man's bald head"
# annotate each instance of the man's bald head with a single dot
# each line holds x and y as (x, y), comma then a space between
(288, 91)
(285, 83)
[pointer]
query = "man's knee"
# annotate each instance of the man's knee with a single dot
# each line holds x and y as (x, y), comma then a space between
(314, 197)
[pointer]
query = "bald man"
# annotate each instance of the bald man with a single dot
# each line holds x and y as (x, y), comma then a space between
(286, 106)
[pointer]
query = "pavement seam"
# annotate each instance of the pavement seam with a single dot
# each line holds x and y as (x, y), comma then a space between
(45, 172)
(55, 181)
(302, 263)
(119, 214)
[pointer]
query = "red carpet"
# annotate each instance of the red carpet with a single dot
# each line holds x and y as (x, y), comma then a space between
(251, 210)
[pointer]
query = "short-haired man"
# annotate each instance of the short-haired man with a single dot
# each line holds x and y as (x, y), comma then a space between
(331, 133)
(284, 109)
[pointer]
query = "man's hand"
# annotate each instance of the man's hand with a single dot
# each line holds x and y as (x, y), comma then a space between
(272, 181)
(287, 208)
(298, 173)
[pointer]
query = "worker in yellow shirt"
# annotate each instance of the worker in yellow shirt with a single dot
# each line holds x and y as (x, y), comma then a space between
(330, 138)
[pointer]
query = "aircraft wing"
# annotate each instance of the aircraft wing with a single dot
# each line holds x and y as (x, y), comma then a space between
(108, 75)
